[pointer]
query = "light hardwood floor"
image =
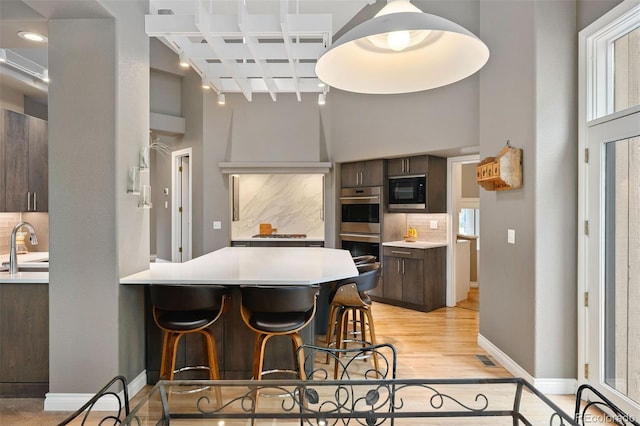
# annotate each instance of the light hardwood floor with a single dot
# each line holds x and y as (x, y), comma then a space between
(438, 344)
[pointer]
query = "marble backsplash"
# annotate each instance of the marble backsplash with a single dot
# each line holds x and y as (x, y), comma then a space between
(292, 203)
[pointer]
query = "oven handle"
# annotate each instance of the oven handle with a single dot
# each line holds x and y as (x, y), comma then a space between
(361, 238)
(373, 197)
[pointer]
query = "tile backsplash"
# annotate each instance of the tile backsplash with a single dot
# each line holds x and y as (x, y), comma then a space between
(40, 222)
(7, 222)
(292, 203)
(422, 223)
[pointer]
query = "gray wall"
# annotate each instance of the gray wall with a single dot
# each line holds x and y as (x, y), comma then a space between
(97, 231)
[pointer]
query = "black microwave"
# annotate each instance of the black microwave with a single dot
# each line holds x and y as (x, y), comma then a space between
(408, 192)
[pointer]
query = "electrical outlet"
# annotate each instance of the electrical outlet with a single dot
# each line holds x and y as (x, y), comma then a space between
(217, 224)
(433, 224)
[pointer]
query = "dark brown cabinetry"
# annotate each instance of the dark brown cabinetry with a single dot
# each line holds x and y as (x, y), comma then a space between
(24, 144)
(435, 169)
(414, 278)
(362, 173)
(418, 164)
(24, 340)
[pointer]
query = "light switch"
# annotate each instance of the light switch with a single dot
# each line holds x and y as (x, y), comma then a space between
(217, 224)
(511, 236)
(165, 191)
(433, 224)
(166, 204)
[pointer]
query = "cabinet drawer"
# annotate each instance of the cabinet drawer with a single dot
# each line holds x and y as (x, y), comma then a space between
(405, 253)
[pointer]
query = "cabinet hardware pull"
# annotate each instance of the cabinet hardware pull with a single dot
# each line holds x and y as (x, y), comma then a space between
(35, 201)
(400, 252)
(403, 267)
(408, 165)
(398, 266)
(28, 201)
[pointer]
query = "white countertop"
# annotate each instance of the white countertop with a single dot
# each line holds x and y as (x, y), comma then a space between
(253, 265)
(38, 270)
(418, 244)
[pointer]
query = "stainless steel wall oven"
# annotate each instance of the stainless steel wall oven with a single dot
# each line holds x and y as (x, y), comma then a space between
(361, 216)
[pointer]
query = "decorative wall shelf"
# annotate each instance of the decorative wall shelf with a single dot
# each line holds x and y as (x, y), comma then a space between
(501, 173)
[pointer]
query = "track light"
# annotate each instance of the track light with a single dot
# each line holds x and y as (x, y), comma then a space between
(222, 100)
(322, 99)
(183, 62)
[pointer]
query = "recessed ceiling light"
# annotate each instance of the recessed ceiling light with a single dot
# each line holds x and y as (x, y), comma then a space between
(31, 36)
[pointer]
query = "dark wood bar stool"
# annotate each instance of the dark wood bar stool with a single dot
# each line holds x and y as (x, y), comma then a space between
(179, 310)
(351, 298)
(277, 311)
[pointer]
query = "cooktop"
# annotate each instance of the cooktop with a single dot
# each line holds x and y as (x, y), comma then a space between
(280, 236)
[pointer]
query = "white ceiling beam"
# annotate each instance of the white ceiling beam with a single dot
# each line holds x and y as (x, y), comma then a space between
(285, 85)
(284, 8)
(301, 51)
(227, 25)
(216, 43)
(252, 44)
(253, 70)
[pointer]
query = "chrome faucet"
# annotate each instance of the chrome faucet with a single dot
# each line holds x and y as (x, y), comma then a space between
(13, 259)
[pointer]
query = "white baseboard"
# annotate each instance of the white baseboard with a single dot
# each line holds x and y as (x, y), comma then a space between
(73, 401)
(551, 386)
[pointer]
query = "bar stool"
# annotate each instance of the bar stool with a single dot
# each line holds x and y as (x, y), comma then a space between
(277, 311)
(351, 298)
(179, 310)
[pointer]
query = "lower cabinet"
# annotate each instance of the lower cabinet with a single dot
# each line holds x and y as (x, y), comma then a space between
(24, 340)
(414, 278)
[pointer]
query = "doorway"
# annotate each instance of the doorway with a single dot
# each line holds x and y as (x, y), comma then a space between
(609, 207)
(181, 206)
(464, 205)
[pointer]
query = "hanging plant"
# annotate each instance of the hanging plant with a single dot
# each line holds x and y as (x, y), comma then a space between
(154, 144)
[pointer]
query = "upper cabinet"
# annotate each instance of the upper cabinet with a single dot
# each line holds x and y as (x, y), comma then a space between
(362, 173)
(24, 156)
(408, 165)
(417, 184)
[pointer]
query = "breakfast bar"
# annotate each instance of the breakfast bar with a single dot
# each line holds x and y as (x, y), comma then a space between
(234, 267)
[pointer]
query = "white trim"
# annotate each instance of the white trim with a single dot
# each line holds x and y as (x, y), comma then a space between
(187, 152)
(72, 401)
(551, 386)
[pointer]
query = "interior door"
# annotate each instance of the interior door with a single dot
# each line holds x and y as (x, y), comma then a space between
(613, 252)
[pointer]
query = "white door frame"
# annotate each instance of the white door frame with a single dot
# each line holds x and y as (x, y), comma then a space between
(175, 218)
(453, 224)
(595, 126)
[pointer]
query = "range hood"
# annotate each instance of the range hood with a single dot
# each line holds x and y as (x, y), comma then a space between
(265, 167)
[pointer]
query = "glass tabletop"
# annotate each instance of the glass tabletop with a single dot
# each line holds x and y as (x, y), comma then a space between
(507, 401)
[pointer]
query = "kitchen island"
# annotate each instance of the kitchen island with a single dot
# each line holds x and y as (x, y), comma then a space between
(233, 267)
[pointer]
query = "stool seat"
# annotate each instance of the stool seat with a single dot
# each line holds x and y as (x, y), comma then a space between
(185, 320)
(279, 322)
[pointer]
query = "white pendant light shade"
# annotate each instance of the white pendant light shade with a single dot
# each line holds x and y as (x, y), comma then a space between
(401, 52)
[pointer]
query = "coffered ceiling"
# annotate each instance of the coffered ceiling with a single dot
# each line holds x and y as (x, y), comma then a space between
(237, 46)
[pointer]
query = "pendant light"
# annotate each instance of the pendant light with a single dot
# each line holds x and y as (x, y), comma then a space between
(401, 50)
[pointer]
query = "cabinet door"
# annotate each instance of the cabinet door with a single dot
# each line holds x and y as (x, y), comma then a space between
(395, 166)
(38, 164)
(392, 278)
(435, 281)
(16, 164)
(413, 281)
(437, 185)
(24, 333)
(350, 174)
(372, 173)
